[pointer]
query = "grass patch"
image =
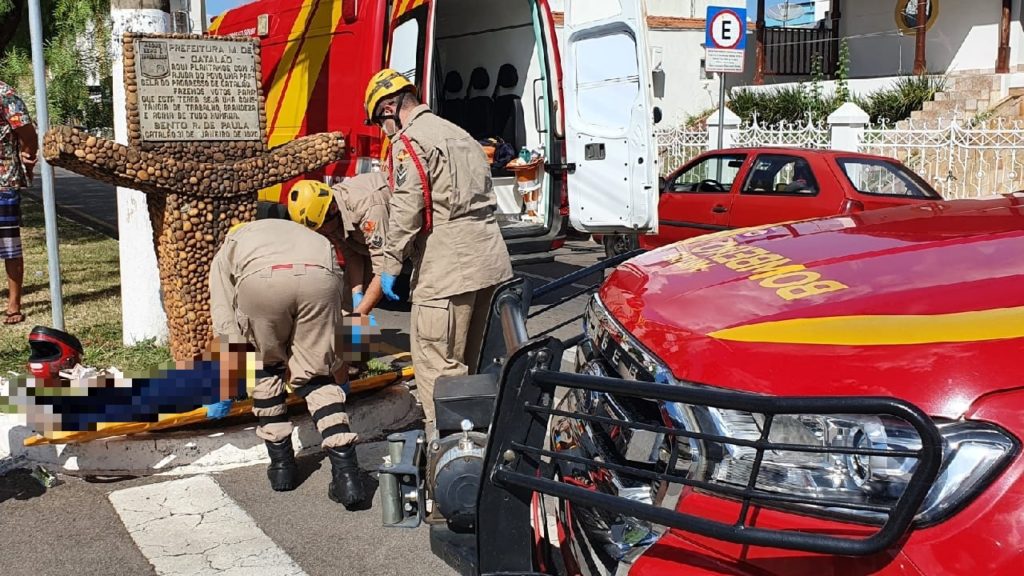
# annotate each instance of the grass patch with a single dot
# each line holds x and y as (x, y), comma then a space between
(91, 291)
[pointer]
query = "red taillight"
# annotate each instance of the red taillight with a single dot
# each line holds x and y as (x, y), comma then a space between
(564, 208)
(850, 206)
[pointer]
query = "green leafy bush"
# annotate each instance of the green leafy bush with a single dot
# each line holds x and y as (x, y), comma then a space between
(796, 103)
(907, 94)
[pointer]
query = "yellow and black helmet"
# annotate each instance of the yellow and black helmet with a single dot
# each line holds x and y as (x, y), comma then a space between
(385, 83)
(308, 203)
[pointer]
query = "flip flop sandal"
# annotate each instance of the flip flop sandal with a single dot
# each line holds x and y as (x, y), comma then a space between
(14, 318)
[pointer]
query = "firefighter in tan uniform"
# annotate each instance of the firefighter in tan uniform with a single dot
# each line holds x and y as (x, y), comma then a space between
(442, 217)
(356, 224)
(283, 298)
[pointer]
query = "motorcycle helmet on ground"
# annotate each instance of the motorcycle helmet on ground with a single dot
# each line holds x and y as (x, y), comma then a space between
(52, 351)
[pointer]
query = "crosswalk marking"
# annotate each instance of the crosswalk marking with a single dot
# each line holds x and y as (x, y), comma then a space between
(191, 526)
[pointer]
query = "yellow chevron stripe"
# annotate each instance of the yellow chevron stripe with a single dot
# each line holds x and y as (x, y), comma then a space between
(293, 93)
(215, 25)
(885, 330)
(405, 6)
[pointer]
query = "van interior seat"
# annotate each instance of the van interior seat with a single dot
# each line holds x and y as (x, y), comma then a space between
(479, 107)
(453, 108)
(509, 122)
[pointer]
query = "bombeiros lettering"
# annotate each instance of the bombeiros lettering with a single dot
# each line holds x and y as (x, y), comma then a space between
(789, 280)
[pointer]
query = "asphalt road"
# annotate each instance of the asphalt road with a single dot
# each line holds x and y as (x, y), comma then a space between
(92, 527)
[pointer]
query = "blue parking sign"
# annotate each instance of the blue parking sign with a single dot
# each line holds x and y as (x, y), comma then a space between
(725, 39)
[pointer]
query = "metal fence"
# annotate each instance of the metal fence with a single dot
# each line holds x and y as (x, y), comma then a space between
(806, 134)
(961, 159)
(677, 146)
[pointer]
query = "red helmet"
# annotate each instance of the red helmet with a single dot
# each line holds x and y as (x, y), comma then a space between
(52, 351)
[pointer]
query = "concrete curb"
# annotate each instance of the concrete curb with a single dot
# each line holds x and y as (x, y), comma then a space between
(198, 451)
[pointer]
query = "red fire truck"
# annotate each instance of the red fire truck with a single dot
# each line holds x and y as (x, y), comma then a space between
(495, 68)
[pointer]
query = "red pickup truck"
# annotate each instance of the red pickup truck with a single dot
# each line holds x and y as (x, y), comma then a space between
(740, 187)
(834, 396)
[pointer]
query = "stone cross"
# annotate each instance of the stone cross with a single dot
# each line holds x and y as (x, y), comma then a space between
(194, 149)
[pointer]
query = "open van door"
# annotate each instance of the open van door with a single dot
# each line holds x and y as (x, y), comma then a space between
(609, 121)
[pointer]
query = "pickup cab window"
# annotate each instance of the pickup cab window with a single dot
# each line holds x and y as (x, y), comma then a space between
(713, 174)
(781, 174)
(881, 178)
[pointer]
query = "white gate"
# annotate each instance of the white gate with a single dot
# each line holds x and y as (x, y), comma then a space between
(961, 159)
(806, 134)
(678, 146)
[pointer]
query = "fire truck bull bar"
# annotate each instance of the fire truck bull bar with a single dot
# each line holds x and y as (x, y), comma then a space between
(515, 466)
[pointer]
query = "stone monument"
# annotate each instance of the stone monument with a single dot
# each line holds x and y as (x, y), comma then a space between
(198, 149)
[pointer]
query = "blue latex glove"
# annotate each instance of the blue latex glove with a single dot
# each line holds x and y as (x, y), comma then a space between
(357, 297)
(387, 284)
(357, 330)
(373, 321)
(346, 387)
(218, 410)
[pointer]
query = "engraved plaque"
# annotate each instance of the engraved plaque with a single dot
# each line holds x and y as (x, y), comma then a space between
(197, 90)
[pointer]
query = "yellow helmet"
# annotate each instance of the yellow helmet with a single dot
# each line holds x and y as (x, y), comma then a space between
(385, 83)
(308, 203)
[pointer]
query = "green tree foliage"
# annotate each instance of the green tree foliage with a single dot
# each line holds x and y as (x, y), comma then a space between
(77, 50)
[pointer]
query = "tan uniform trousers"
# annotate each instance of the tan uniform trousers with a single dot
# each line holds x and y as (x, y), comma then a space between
(447, 336)
(292, 316)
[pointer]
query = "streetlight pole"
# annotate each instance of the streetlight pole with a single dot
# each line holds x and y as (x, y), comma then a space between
(35, 23)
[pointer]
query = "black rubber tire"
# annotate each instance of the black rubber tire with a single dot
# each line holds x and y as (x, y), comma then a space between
(616, 244)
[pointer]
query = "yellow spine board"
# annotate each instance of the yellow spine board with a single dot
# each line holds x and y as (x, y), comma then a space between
(243, 407)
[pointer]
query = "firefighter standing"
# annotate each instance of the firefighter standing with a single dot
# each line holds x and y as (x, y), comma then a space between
(442, 216)
(284, 300)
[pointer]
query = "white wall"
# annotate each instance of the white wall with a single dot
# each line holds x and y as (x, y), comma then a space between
(1017, 34)
(965, 37)
(673, 8)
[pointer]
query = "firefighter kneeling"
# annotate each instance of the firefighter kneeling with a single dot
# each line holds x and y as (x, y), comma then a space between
(284, 298)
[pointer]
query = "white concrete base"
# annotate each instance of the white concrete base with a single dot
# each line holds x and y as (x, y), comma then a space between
(192, 452)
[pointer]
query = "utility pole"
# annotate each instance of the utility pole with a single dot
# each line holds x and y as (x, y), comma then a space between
(142, 310)
(35, 23)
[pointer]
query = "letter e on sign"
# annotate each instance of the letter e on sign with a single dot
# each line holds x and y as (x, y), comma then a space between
(725, 39)
(726, 30)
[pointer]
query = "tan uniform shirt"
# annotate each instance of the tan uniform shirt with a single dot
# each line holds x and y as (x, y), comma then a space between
(363, 201)
(465, 251)
(253, 248)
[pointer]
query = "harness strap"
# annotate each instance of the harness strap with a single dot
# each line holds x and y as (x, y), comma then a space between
(428, 199)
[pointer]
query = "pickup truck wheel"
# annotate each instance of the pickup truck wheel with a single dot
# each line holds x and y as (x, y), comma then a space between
(616, 244)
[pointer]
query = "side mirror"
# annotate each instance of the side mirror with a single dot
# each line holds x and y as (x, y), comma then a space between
(657, 115)
(662, 184)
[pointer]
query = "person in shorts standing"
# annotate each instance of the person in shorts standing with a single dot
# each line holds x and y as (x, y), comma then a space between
(19, 144)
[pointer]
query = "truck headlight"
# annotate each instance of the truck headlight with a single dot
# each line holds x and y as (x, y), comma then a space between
(973, 452)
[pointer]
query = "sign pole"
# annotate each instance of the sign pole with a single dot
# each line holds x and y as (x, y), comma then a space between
(721, 108)
(35, 24)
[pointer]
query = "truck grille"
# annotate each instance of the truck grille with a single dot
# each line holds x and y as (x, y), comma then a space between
(702, 428)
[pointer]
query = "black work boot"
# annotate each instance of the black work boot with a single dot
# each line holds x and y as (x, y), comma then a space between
(346, 485)
(282, 469)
